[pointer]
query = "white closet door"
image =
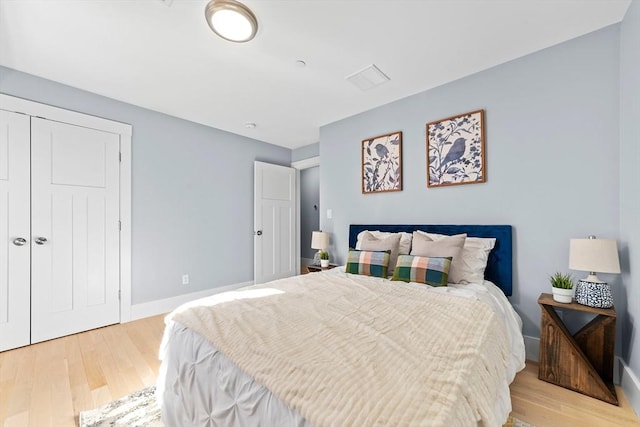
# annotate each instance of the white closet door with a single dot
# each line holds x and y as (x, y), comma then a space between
(14, 230)
(75, 234)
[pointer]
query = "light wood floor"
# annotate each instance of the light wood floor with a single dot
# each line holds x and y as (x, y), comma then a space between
(48, 384)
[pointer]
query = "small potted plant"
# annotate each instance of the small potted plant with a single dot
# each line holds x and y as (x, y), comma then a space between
(562, 287)
(324, 259)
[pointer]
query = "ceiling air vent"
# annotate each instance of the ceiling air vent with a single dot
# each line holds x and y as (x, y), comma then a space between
(368, 77)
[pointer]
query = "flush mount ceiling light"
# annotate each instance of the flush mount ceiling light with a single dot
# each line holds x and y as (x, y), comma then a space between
(231, 20)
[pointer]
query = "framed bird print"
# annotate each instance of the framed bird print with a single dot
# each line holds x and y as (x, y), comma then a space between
(382, 163)
(455, 150)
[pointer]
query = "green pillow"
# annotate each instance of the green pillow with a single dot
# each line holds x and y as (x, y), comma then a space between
(432, 271)
(368, 263)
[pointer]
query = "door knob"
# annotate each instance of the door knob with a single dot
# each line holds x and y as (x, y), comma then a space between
(19, 241)
(259, 232)
(40, 240)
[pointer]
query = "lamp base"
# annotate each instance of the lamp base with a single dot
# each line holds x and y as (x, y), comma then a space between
(594, 294)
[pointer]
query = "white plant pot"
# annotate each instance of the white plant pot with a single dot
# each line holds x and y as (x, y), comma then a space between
(562, 295)
(324, 263)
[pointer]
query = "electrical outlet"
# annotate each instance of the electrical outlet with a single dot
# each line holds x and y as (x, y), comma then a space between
(185, 279)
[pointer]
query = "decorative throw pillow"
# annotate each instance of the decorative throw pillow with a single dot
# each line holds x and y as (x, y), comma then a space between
(450, 246)
(368, 263)
(470, 265)
(390, 243)
(447, 246)
(433, 271)
(405, 239)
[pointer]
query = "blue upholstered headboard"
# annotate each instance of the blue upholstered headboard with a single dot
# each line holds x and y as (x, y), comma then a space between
(500, 264)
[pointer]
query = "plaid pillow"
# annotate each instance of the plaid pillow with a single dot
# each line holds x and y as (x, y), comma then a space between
(433, 271)
(368, 263)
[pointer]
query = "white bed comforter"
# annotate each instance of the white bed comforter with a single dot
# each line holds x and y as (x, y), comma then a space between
(339, 349)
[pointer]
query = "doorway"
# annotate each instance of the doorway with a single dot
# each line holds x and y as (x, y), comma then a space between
(309, 212)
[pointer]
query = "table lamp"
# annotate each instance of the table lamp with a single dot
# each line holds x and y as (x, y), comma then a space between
(320, 241)
(594, 255)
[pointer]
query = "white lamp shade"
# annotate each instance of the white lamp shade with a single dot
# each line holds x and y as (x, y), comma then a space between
(594, 255)
(319, 240)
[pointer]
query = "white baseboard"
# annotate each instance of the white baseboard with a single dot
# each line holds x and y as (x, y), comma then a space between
(630, 384)
(152, 308)
(622, 373)
(532, 348)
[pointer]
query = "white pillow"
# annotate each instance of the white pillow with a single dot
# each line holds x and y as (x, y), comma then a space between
(470, 266)
(405, 240)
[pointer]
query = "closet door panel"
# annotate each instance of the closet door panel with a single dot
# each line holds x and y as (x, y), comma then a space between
(75, 207)
(14, 230)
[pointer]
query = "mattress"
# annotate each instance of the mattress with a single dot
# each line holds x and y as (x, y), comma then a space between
(201, 386)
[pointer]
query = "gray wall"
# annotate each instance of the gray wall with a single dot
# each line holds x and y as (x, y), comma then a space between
(192, 191)
(630, 180)
(309, 208)
(305, 152)
(552, 156)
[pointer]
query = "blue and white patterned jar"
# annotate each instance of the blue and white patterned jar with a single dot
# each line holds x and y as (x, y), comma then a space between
(594, 294)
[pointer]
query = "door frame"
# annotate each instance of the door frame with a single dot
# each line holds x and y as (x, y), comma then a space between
(299, 165)
(32, 108)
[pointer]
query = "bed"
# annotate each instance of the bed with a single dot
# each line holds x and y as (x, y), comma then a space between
(341, 349)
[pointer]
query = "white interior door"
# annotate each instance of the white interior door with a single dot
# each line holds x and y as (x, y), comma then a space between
(274, 222)
(14, 230)
(75, 229)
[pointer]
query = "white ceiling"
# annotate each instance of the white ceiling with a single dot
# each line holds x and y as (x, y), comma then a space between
(166, 58)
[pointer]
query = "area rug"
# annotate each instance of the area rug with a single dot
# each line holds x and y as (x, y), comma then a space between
(139, 409)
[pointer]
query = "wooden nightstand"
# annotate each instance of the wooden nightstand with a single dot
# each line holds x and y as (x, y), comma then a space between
(582, 362)
(314, 268)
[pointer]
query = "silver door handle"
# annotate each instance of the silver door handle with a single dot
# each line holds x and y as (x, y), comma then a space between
(40, 240)
(19, 241)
